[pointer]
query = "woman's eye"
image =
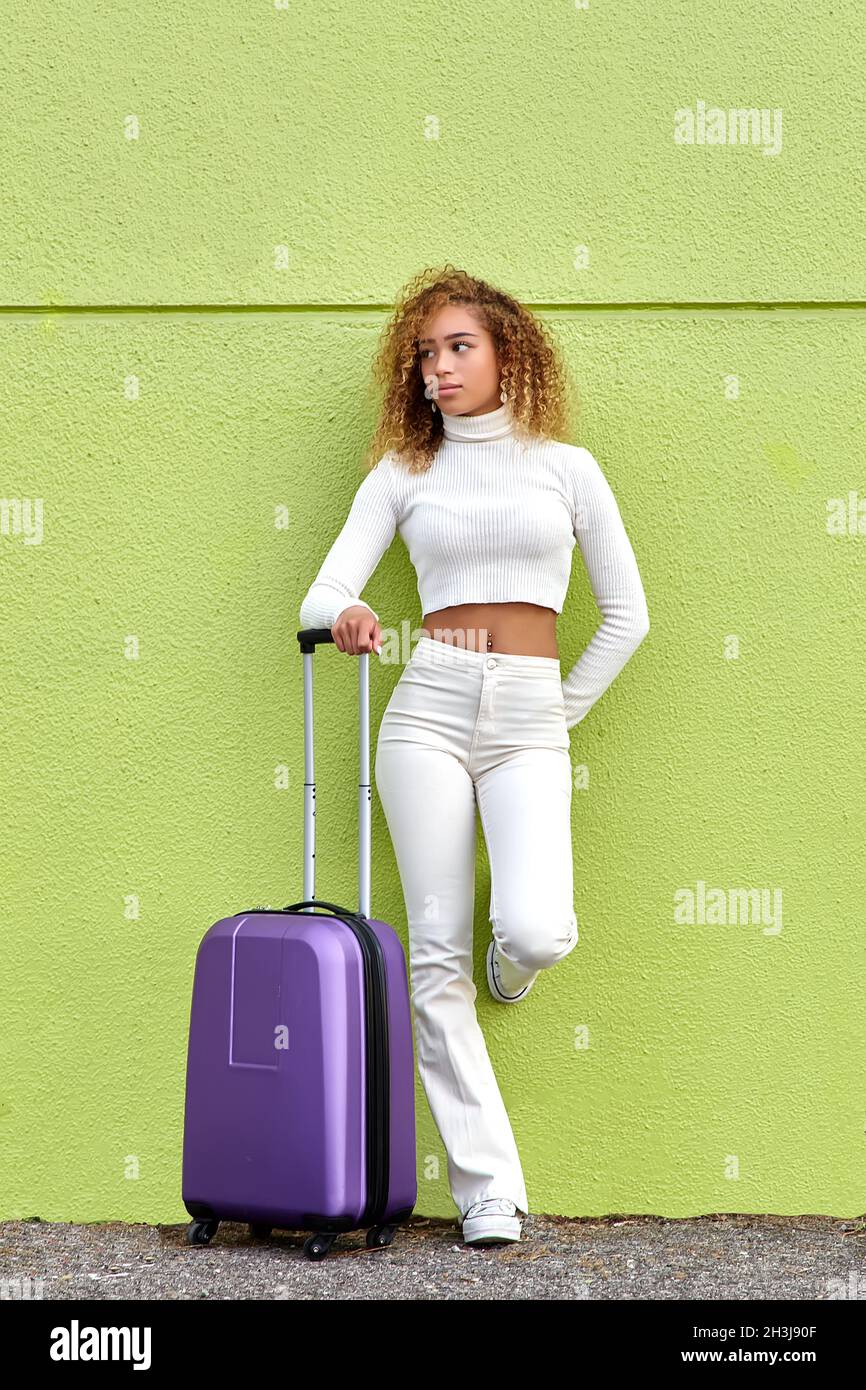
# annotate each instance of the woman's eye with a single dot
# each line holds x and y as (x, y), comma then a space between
(426, 351)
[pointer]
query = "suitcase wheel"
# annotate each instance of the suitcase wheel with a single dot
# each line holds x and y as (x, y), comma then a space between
(380, 1235)
(201, 1232)
(317, 1246)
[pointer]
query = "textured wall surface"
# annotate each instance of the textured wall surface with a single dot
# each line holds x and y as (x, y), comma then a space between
(208, 211)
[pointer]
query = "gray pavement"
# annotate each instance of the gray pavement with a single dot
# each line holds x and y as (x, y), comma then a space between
(643, 1257)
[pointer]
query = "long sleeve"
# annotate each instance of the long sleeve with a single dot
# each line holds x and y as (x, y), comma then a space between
(616, 585)
(367, 533)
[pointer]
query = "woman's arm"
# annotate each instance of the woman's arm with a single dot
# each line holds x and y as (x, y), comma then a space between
(613, 573)
(367, 533)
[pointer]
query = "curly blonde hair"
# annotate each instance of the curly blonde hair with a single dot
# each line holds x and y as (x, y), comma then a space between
(530, 366)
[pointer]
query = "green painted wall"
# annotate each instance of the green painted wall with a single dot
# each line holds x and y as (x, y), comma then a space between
(207, 211)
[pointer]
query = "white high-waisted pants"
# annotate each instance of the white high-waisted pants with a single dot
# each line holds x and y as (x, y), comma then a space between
(466, 727)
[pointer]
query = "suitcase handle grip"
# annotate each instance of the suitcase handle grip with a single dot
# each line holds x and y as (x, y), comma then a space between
(332, 908)
(309, 638)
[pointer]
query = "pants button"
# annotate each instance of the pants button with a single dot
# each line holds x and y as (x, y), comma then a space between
(490, 663)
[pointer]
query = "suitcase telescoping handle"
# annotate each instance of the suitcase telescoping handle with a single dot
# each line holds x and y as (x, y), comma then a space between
(309, 638)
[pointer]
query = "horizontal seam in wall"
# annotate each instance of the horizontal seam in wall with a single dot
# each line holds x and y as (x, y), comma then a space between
(341, 310)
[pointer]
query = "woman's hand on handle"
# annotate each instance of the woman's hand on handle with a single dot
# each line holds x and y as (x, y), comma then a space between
(357, 630)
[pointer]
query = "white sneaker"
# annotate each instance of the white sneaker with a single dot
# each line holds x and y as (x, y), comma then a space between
(494, 980)
(492, 1221)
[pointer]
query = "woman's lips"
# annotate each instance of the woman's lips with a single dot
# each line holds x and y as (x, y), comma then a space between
(448, 388)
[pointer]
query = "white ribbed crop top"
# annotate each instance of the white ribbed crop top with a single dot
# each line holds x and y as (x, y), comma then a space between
(494, 520)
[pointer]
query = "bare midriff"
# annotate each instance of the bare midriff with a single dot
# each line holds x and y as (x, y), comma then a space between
(515, 629)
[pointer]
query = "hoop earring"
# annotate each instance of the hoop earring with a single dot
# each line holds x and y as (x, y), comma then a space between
(502, 394)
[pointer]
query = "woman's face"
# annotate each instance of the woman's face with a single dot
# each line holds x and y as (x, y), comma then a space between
(459, 352)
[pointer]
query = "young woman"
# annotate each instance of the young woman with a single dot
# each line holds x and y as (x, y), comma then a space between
(490, 504)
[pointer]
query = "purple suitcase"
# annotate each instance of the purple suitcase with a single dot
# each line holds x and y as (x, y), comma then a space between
(300, 1082)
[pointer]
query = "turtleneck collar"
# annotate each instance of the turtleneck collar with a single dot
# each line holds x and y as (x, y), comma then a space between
(494, 424)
